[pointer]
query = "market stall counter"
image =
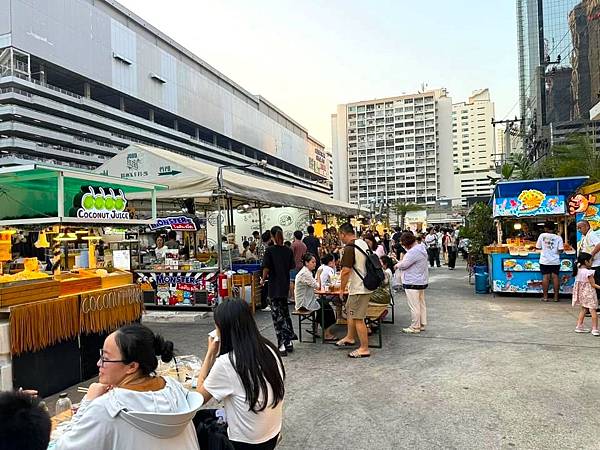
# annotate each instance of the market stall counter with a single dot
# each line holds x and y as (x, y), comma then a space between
(58, 318)
(168, 288)
(521, 210)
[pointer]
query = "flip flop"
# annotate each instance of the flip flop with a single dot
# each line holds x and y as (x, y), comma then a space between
(356, 355)
(341, 344)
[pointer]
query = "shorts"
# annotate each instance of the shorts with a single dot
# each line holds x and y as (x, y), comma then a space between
(547, 269)
(357, 305)
(293, 274)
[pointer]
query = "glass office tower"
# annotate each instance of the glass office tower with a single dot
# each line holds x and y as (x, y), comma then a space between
(558, 66)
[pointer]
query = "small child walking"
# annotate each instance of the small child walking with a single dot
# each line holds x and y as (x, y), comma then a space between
(584, 293)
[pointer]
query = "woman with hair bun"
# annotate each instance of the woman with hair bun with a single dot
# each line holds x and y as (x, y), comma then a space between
(131, 407)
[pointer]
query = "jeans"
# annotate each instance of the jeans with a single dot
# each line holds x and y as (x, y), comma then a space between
(282, 321)
(434, 256)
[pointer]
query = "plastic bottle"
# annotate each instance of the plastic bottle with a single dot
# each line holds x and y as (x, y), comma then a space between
(63, 404)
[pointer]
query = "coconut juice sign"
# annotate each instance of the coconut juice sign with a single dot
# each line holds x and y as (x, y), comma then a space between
(97, 202)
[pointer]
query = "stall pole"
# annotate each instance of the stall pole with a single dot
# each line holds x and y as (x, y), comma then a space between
(219, 235)
(61, 195)
(498, 232)
(260, 229)
(154, 212)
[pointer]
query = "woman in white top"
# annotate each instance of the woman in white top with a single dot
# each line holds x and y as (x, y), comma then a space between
(306, 299)
(244, 370)
(130, 407)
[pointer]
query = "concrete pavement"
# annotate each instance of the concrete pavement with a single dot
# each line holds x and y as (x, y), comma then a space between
(490, 372)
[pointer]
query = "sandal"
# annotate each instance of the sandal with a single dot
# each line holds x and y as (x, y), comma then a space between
(356, 355)
(343, 343)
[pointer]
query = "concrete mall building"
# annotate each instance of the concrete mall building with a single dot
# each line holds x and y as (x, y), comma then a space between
(473, 142)
(394, 149)
(80, 80)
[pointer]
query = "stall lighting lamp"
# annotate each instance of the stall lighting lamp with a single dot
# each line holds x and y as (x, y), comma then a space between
(92, 236)
(517, 226)
(81, 232)
(66, 237)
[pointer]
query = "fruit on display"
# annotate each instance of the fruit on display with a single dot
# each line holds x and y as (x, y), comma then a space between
(22, 276)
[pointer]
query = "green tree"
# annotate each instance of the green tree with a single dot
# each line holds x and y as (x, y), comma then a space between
(523, 168)
(576, 157)
(401, 209)
(507, 171)
(480, 230)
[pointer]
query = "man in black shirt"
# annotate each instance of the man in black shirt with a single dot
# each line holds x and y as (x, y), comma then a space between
(312, 243)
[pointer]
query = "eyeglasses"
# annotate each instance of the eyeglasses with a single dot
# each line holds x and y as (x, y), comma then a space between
(104, 360)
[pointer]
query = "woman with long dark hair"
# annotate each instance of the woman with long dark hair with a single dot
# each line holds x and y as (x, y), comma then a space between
(277, 263)
(244, 370)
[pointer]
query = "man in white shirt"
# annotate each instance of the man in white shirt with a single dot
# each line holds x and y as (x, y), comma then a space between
(590, 243)
(551, 244)
(432, 243)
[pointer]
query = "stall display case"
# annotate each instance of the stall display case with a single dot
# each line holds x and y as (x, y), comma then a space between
(519, 207)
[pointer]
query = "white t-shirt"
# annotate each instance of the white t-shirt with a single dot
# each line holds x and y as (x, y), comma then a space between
(431, 240)
(588, 242)
(326, 274)
(551, 244)
(224, 384)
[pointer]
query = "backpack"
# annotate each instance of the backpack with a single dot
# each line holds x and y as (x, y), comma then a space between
(374, 275)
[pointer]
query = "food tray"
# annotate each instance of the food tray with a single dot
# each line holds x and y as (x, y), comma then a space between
(20, 292)
(116, 279)
(73, 283)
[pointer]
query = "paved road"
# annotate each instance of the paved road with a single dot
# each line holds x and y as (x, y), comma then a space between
(489, 373)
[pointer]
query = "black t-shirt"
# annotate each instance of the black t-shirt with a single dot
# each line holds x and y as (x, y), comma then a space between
(312, 245)
(279, 259)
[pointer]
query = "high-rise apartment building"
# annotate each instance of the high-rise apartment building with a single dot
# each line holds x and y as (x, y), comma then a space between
(559, 70)
(473, 143)
(80, 80)
(394, 149)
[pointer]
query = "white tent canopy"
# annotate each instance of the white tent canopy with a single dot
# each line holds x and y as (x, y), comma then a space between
(191, 178)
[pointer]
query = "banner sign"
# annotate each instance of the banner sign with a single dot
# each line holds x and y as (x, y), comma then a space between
(179, 223)
(96, 202)
(530, 202)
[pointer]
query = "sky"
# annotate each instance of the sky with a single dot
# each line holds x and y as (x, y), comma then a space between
(308, 56)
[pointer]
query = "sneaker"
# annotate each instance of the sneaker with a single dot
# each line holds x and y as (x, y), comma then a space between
(410, 330)
(581, 330)
(289, 348)
(595, 333)
(267, 309)
(282, 350)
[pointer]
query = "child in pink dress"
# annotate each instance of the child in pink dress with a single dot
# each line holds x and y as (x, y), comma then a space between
(584, 293)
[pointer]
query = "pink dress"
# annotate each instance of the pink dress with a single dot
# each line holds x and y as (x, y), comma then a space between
(583, 292)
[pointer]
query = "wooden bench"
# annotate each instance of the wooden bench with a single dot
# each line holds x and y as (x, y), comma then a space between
(311, 318)
(376, 312)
